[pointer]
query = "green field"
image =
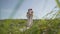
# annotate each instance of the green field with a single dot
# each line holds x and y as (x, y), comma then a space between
(12, 26)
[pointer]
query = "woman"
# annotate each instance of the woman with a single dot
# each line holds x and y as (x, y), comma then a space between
(29, 17)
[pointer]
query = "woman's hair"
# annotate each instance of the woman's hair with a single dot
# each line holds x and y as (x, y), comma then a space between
(29, 9)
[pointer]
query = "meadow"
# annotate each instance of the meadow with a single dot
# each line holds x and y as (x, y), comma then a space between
(40, 26)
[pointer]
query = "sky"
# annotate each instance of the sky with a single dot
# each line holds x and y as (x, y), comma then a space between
(40, 8)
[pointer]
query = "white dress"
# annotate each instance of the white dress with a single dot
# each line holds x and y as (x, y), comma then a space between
(29, 18)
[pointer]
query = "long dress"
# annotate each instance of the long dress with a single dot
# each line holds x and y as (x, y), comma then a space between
(29, 19)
